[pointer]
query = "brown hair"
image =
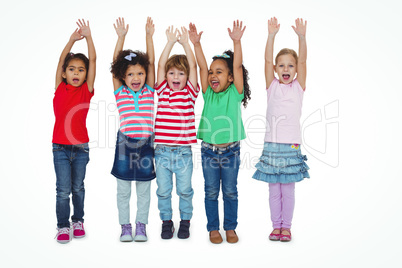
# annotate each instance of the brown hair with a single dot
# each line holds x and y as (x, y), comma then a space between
(178, 61)
(121, 64)
(286, 51)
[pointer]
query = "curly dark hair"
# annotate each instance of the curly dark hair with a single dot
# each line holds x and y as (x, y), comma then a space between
(120, 65)
(229, 62)
(71, 56)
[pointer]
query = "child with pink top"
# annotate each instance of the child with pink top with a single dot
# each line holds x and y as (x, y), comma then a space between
(281, 163)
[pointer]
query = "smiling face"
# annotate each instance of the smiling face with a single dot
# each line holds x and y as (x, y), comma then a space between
(176, 79)
(135, 77)
(286, 68)
(75, 73)
(219, 76)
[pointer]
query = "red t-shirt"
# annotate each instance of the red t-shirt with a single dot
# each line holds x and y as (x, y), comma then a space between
(71, 105)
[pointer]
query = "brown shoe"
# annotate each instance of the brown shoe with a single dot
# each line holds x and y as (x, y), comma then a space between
(215, 237)
(231, 236)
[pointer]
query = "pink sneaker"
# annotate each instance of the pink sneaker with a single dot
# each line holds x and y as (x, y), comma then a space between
(63, 235)
(78, 229)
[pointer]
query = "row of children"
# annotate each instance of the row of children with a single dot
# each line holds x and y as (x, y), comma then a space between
(224, 87)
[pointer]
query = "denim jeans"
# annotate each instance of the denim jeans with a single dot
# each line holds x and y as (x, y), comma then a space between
(174, 160)
(70, 163)
(221, 166)
(143, 190)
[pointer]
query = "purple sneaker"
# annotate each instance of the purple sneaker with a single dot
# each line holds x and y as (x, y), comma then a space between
(140, 233)
(126, 233)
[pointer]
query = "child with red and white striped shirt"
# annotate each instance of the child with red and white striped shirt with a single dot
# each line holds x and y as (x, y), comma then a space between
(175, 131)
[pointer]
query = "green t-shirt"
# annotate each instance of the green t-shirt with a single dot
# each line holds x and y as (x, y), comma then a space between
(221, 117)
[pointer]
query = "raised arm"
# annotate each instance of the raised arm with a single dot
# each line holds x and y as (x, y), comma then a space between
(300, 30)
(199, 54)
(172, 37)
(85, 31)
(75, 36)
(236, 35)
(150, 29)
(190, 56)
(273, 28)
(121, 31)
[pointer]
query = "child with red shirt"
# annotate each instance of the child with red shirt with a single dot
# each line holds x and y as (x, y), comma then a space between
(75, 78)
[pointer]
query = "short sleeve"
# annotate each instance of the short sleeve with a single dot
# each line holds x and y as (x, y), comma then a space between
(239, 97)
(160, 88)
(117, 91)
(193, 91)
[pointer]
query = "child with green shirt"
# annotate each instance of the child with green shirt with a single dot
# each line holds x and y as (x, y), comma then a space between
(224, 88)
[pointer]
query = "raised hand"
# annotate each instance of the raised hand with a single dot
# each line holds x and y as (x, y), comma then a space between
(273, 26)
(120, 27)
(192, 33)
(237, 31)
(75, 36)
(84, 30)
(172, 36)
(300, 28)
(183, 36)
(149, 27)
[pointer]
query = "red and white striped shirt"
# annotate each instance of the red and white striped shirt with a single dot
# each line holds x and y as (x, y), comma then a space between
(175, 119)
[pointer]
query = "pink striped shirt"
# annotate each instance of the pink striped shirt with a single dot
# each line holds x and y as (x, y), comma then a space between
(136, 110)
(175, 119)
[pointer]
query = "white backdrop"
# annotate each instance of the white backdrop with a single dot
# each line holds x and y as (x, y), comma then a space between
(348, 214)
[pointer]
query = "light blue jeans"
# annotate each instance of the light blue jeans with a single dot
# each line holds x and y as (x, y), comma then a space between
(177, 160)
(143, 189)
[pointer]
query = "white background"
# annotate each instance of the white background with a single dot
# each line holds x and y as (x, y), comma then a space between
(347, 215)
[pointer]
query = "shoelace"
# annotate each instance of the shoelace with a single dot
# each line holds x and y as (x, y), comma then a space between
(140, 229)
(126, 229)
(77, 225)
(61, 231)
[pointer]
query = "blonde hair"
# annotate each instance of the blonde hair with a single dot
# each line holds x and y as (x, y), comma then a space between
(178, 61)
(286, 51)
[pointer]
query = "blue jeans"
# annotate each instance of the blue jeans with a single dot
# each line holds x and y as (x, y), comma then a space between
(221, 166)
(178, 160)
(70, 163)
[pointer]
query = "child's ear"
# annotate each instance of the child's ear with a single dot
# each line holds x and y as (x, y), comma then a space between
(63, 74)
(231, 79)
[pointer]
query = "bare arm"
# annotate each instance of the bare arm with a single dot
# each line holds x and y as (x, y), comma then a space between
(199, 54)
(59, 71)
(190, 56)
(121, 31)
(150, 29)
(85, 31)
(300, 30)
(273, 28)
(236, 35)
(172, 37)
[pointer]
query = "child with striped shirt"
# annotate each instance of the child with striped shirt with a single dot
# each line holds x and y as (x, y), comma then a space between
(133, 72)
(175, 131)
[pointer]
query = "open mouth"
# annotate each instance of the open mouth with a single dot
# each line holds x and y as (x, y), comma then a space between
(135, 85)
(176, 85)
(76, 80)
(214, 84)
(286, 76)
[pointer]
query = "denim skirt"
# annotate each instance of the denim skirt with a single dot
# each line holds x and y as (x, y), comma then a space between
(134, 158)
(281, 163)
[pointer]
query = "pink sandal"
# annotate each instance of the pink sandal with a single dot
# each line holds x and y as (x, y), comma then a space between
(285, 238)
(275, 237)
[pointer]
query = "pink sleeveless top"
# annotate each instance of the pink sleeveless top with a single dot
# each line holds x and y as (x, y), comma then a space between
(284, 112)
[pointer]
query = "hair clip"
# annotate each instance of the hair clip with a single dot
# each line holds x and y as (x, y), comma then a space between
(71, 54)
(224, 55)
(131, 56)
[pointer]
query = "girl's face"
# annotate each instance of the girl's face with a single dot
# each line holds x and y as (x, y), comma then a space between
(219, 76)
(176, 79)
(75, 73)
(135, 77)
(286, 68)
